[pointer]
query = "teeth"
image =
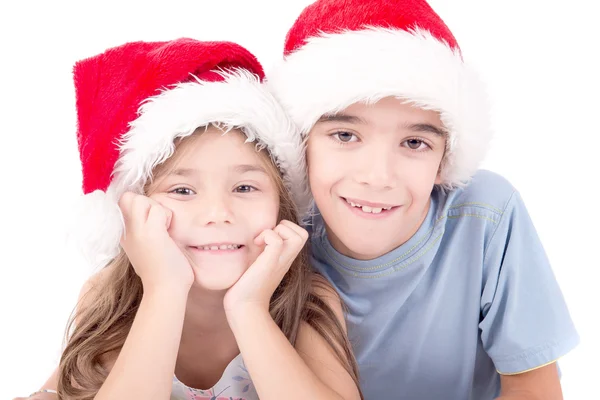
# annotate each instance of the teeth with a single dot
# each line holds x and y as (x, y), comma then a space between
(221, 247)
(367, 209)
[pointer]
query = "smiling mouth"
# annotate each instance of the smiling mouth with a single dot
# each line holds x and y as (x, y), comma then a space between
(218, 247)
(369, 208)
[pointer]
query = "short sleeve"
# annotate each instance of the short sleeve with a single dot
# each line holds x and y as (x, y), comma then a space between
(525, 322)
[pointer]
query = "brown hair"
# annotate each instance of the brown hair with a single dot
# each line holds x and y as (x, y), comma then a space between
(99, 328)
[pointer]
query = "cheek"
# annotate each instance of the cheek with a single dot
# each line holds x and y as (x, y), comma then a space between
(324, 167)
(260, 215)
(420, 180)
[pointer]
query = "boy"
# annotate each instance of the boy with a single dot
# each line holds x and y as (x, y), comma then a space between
(449, 292)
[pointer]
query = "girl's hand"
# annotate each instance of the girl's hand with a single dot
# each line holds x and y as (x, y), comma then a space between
(256, 286)
(156, 258)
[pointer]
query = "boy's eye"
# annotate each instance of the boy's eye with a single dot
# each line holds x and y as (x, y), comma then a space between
(415, 144)
(183, 191)
(244, 189)
(345, 137)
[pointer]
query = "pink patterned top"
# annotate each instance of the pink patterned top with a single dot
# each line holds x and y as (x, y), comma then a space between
(235, 384)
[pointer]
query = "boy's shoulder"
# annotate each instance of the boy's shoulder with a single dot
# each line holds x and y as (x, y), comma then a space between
(486, 190)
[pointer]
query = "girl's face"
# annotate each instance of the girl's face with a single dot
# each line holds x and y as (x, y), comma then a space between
(371, 170)
(223, 195)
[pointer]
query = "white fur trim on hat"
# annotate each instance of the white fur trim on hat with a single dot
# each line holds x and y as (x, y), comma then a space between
(333, 71)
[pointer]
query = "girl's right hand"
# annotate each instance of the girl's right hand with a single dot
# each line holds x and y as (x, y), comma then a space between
(156, 258)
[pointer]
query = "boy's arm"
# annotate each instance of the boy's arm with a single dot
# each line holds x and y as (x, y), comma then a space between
(525, 325)
(541, 383)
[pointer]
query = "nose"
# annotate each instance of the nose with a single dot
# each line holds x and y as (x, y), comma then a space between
(376, 168)
(214, 209)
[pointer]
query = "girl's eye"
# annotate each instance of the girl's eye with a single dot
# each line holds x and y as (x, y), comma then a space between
(244, 189)
(415, 144)
(183, 191)
(345, 137)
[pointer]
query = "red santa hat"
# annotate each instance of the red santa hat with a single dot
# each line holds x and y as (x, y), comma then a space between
(340, 52)
(134, 100)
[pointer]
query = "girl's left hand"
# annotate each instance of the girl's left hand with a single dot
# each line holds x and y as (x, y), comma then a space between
(256, 286)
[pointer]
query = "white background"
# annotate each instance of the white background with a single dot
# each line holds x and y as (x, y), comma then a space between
(540, 59)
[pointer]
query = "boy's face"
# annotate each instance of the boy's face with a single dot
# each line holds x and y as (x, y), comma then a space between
(384, 157)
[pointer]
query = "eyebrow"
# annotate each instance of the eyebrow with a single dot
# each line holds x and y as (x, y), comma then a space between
(340, 117)
(425, 128)
(240, 168)
(183, 172)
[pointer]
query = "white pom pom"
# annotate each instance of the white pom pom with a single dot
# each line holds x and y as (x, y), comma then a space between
(97, 227)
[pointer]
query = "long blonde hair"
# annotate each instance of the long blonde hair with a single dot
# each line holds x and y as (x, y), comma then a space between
(99, 329)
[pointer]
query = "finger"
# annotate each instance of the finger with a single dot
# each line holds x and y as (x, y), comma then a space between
(272, 239)
(169, 217)
(159, 216)
(292, 230)
(303, 233)
(156, 218)
(168, 212)
(292, 242)
(273, 246)
(260, 239)
(140, 210)
(125, 205)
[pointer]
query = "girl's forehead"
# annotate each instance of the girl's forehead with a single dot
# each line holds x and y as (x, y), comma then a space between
(214, 150)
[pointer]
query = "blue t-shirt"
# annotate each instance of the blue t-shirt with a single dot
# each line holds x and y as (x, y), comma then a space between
(471, 294)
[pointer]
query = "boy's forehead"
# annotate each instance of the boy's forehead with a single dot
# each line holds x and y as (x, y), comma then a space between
(364, 108)
(426, 121)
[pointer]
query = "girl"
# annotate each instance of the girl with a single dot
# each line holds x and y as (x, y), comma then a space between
(207, 294)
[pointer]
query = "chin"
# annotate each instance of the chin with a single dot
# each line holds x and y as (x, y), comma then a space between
(217, 280)
(215, 285)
